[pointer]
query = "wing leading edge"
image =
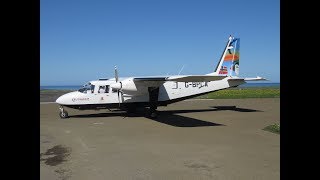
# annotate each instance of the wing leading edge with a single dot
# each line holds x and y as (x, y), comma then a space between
(195, 78)
(186, 78)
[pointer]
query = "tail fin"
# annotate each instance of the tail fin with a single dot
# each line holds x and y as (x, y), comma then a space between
(229, 61)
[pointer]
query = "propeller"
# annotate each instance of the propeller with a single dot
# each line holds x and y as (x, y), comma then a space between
(116, 73)
(119, 85)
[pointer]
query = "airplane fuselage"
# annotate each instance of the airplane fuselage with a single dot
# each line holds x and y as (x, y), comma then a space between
(151, 92)
(169, 92)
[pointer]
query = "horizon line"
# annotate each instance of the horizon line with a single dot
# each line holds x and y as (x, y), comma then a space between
(246, 83)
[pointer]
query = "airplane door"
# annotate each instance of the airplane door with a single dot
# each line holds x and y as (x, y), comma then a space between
(175, 88)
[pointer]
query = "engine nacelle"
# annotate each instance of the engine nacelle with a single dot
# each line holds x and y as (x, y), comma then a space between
(127, 86)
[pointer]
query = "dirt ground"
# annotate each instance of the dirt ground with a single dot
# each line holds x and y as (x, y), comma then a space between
(195, 139)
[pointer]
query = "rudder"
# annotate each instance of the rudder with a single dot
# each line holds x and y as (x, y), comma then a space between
(230, 65)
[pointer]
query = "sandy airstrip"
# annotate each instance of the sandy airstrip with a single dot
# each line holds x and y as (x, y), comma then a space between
(193, 139)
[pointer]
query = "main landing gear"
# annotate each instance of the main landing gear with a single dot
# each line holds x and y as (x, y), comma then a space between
(152, 113)
(63, 113)
(153, 102)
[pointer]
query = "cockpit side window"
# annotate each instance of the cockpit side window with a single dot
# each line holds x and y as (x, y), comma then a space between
(85, 88)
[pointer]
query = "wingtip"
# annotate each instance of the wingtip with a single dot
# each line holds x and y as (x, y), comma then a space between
(262, 78)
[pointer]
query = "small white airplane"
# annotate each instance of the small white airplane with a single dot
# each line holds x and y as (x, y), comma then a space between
(151, 92)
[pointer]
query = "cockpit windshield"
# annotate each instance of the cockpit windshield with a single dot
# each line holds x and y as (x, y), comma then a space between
(87, 88)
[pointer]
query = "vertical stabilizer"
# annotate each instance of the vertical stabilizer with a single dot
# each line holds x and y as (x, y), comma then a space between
(229, 61)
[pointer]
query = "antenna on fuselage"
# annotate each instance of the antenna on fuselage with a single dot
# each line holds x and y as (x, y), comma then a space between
(181, 70)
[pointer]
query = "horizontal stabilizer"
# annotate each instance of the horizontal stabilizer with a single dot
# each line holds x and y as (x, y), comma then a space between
(236, 79)
(258, 78)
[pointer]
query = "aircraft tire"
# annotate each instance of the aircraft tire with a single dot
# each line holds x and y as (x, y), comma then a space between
(153, 115)
(131, 110)
(63, 114)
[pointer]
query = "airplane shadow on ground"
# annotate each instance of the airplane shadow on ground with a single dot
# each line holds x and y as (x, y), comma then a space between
(176, 120)
(234, 108)
(172, 117)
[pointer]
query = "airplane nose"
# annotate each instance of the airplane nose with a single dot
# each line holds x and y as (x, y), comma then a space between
(67, 98)
(59, 100)
(62, 99)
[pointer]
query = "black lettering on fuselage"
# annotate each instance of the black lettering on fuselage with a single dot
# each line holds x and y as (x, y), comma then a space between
(196, 84)
(186, 84)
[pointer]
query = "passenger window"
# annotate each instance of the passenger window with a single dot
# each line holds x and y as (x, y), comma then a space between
(92, 88)
(107, 88)
(102, 89)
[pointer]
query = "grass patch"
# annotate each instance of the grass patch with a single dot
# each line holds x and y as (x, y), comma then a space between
(231, 93)
(238, 93)
(54, 91)
(275, 128)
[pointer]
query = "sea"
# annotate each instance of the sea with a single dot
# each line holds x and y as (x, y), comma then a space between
(246, 85)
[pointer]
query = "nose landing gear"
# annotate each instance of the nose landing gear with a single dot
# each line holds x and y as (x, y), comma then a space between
(63, 113)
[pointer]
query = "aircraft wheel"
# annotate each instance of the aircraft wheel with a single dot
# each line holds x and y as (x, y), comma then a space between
(63, 114)
(154, 115)
(131, 110)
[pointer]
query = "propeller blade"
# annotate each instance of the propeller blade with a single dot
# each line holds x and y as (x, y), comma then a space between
(117, 78)
(122, 100)
(118, 99)
(116, 73)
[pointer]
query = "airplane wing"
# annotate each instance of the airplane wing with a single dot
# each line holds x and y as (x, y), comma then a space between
(195, 78)
(189, 78)
(149, 81)
(186, 78)
(137, 79)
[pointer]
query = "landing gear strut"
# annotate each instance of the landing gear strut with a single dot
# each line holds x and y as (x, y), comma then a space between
(153, 102)
(63, 113)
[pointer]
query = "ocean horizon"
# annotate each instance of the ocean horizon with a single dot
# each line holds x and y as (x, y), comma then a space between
(76, 87)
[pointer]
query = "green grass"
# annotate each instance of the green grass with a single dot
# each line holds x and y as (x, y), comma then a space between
(232, 93)
(236, 93)
(275, 128)
(53, 91)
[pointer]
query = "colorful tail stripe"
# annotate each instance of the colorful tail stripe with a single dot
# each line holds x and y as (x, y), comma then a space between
(230, 65)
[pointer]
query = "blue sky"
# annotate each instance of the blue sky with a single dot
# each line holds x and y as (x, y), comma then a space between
(82, 40)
